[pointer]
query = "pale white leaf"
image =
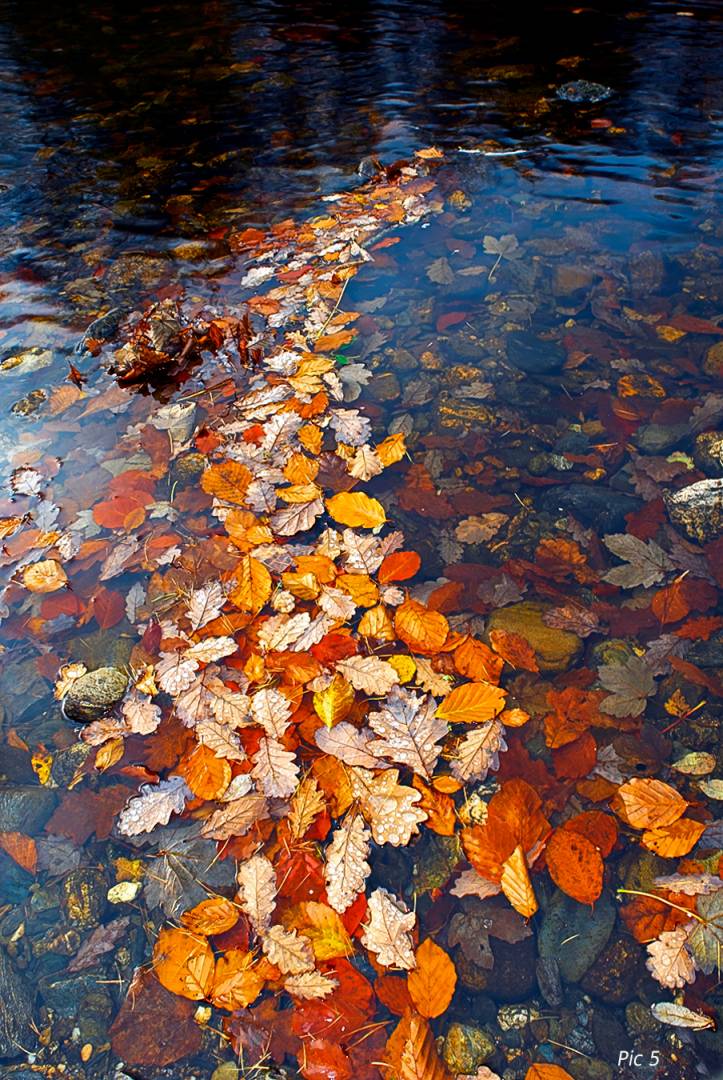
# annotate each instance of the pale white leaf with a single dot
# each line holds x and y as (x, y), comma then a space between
(256, 879)
(409, 732)
(153, 805)
(369, 674)
(388, 931)
(346, 862)
(275, 769)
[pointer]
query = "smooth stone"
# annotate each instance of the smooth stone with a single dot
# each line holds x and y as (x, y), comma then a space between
(708, 453)
(533, 355)
(609, 1034)
(15, 766)
(585, 933)
(659, 438)
(94, 694)
(713, 363)
(384, 387)
(598, 506)
(698, 510)
(548, 980)
(613, 976)
(640, 1020)
(587, 1068)
(513, 975)
(84, 897)
(64, 993)
(569, 279)
(466, 1047)
(25, 808)
(554, 649)
(16, 1010)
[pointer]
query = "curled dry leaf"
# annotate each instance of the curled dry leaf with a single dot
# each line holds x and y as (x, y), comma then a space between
(388, 931)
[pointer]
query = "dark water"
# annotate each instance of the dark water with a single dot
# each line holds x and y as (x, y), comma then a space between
(136, 141)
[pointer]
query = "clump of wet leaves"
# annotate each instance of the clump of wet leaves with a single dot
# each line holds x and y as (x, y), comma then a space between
(300, 700)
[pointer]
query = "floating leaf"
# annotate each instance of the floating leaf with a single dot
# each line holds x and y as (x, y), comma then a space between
(472, 703)
(356, 509)
(388, 931)
(432, 983)
(646, 803)
(575, 865)
(184, 963)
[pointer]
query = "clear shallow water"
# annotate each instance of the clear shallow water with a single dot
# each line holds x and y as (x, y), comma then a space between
(135, 143)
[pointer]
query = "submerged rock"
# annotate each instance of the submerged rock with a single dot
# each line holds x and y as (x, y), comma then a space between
(585, 92)
(94, 694)
(25, 808)
(16, 1010)
(533, 355)
(614, 975)
(466, 1047)
(601, 507)
(708, 453)
(555, 649)
(583, 932)
(698, 510)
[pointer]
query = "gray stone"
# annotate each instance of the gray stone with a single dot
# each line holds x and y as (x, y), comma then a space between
(598, 506)
(67, 762)
(640, 1019)
(698, 510)
(64, 993)
(615, 972)
(94, 694)
(584, 933)
(708, 453)
(25, 808)
(659, 438)
(16, 1011)
(707, 654)
(533, 355)
(548, 980)
(384, 387)
(466, 1047)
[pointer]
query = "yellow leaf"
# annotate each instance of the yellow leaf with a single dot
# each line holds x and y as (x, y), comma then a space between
(302, 586)
(334, 703)
(360, 587)
(45, 576)
(253, 585)
(404, 666)
(236, 984)
(646, 803)
(300, 469)
(109, 753)
(391, 450)
(375, 623)
(421, 629)
(322, 926)
(356, 509)
(472, 703)
(673, 841)
(300, 493)
(311, 438)
(516, 884)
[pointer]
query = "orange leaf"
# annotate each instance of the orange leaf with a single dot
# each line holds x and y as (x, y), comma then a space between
(207, 776)
(393, 993)
(236, 983)
(21, 849)
(399, 566)
(422, 630)
(546, 1072)
(672, 841)
(438, 806)
(184, 963)
(356, 509)
(646, 803)
(516, 884)
(213, 916)
(670, 604)
(515, 649)
(475, 660)
(432, 983)
(228, 480)
(472, 703)
(253, 585)
(44, 576)
(575, 865)
(598, 827)
(419, 1059)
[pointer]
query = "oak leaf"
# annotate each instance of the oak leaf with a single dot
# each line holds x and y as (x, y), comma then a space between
(236, 817)
(389, 807)
(388, 931)
(348, 744)
(306, 805)
(369, 674)
(409, 733)
(669, 960)
(153, 805)
(275, 769)
(290, 952)
(256, 879)
(346, 862)
(478, 752)
(310, 985)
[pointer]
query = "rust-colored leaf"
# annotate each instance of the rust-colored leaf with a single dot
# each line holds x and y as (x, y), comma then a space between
(432, 983)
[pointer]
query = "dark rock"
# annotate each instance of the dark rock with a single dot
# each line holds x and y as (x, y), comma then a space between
(15, 766)
(601, 507)
(583, 932)
(533, 355)
(93, 695)
(188, 467)
(16, 1011)
(713, 363)
(707, 654)
(708, 453)
(66, 763)
(613, 976)
(64, 993)
(513, 976)
(659, 438)
(609, 1034)
(588, 1068)
(14, 881)
(25, 808)
(384, 387)
(548, 980)
(640, 1019)
(698, 510)
(435, 857)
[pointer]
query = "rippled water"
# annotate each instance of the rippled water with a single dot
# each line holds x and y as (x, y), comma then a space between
(135, 142)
